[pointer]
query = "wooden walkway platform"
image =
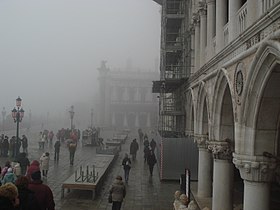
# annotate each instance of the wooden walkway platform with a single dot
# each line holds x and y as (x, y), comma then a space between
(102, 165)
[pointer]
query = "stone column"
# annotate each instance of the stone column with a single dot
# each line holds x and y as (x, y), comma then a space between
(254, 11)
(221, 12)
(192, 49)
(257, 172)
(196, 22)
(203, 31)
(204, 167)
(233, 30)
(210, 27)
(222, 175)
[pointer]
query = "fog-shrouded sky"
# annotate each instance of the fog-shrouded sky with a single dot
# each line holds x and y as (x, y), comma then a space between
(50, 49)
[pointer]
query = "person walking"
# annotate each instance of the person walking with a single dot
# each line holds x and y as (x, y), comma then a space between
(9, 177)
(151, 160)
(153, 145)
(24, 143)
(57, 150)
(126, 167)
(133, 149)
(146, 153)
(34, 166)
(42, 192)
(72, 149)
(27, 199)
(23, 162)
(44, 160)
(118, 192)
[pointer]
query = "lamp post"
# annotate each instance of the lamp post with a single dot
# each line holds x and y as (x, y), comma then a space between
(17, 115)
(71, 112)
(91, 118)
(3, 115)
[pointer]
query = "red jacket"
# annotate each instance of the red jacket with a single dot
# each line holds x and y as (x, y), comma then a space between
(34, 166)
(43, 194)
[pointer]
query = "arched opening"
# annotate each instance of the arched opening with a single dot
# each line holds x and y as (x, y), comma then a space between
(267, 135)
(227, 133)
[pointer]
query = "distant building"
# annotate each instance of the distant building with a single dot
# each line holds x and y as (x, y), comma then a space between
(126, 98)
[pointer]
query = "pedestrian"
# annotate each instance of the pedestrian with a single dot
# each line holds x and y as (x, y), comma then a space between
(177, 202)
(126, 167)
(9, 197)
(23, 162)
(44, 160)
(34, 166)
(141, 134)
(184, 202)
(9, 177)
(57, 150)
(5, 169)
(133, 149)
(24, 143)
(146, 142)
(72, 149)
(146, 153)
(118, 193)
(42, 192)
(153, 145)
(27, 199)
(151, 160)
(50, 136)
(6, 146)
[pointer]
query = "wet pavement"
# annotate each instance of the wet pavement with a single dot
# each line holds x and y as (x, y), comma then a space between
(144, 192)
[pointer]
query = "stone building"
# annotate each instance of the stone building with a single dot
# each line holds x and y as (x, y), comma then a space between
(220, 73)
(126, 99)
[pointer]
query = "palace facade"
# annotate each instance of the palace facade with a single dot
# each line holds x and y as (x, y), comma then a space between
(220, 85)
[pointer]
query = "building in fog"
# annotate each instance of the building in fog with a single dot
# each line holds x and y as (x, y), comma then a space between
(220, 86)
(126, 98)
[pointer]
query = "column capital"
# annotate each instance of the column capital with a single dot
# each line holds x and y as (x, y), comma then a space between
(195, 19)
(210, 1)
(255, 168)
(221, 149)
(202, 8)
(201, 140)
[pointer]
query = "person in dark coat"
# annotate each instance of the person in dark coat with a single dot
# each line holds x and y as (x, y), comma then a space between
(126, 163)
(134, 148)
(27, 199)
(42, 192)
(23, 161)
(6, 146)
(24, 143)
(72, 149)
(153, 145)
(151, 159)
(118, 192)
(146, 153)
(57, 150)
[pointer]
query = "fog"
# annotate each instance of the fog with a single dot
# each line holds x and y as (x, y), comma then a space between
(50, 49)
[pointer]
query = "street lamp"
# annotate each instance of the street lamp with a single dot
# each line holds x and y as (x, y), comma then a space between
(71, 112)
(3, 115)
(17, 115)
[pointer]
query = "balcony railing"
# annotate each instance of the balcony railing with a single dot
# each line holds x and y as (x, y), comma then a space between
(175, 7)
(174, 72)
(242, 18)
(267, 4)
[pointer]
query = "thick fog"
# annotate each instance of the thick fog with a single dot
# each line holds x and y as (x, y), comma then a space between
(50, 49)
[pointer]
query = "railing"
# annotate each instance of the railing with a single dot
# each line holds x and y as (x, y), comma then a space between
(267, 4)
(175, 7)
(226, 34)
(242, 18)
(174, 72)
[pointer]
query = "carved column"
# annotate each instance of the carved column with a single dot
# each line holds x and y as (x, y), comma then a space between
(222, 175)
(233, 31)
(204, 167)
(203, 31)
(257, 172)
(210, 27)
(196, 22)
(221, 15)
(192, 48)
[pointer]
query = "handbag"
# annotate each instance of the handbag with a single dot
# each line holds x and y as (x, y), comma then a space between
(110, 198)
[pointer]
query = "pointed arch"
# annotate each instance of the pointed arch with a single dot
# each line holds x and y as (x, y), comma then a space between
(189, 110)
(203, 115)
(222, 88)
(261, 76)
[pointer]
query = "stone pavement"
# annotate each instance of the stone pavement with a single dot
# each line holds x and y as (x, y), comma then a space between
(143, 191)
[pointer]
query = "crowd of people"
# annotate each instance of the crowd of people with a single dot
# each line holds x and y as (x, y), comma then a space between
(11, 147)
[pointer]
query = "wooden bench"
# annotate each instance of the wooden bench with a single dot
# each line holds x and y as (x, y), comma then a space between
(102, 165)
